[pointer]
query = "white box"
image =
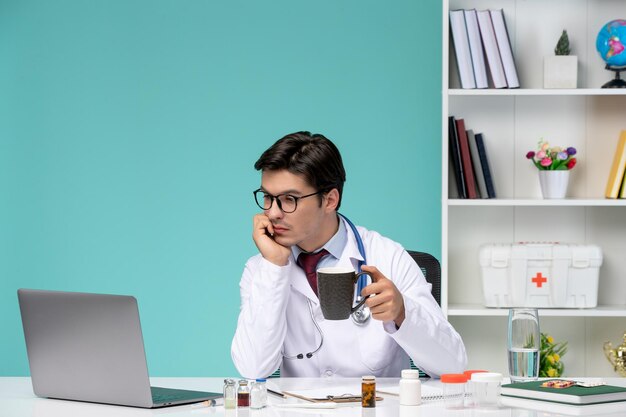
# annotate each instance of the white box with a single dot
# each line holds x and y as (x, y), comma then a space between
(545, 275)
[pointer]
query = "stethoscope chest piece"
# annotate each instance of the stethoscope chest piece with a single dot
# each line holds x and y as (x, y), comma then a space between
(362, 315)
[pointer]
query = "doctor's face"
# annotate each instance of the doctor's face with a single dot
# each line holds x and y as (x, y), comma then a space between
(304, 227)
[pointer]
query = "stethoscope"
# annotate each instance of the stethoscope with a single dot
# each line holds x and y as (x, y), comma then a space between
(361, 315)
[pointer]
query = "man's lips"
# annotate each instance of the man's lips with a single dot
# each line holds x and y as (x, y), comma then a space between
(280, 230)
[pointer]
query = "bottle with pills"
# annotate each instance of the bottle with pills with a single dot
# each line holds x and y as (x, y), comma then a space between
(410, 387)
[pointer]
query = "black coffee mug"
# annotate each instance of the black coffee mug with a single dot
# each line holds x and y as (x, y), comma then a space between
(335, 288)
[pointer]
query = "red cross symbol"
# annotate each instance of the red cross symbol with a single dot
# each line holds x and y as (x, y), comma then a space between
(539, 279)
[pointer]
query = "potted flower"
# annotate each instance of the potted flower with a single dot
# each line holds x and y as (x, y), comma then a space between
(554, 164)
(561, 70)
(550, 365)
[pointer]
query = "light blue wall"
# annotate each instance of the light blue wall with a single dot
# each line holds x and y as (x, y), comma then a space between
(128, 131)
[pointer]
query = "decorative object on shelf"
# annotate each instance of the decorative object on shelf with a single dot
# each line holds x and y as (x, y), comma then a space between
(553, 164)
(610, 45)
(550, 365)
(617, 356)
(561, 70)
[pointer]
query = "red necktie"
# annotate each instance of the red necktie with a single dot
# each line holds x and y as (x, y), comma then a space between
(308, 262)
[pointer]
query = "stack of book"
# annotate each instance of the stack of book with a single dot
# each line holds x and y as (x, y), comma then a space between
(469, 161)
(481, 40)
(616, 185)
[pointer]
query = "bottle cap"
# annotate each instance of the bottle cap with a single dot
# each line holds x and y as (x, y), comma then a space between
(410, 374)
(487, 377)
(261, 380)
(229, 381)
(369, 378)
(470, 372)
(243, 382)
(454, 378)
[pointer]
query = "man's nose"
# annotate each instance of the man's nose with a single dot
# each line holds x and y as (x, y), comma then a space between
(274, 212)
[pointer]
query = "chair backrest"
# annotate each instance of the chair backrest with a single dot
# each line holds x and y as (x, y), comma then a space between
(431, 268)
(432, 271)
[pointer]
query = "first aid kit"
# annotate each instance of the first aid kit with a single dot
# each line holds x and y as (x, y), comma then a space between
(543, 275)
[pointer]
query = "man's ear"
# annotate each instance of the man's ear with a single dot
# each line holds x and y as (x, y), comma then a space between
(331, 200)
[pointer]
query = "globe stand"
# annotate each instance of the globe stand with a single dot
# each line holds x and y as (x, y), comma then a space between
(617, 82)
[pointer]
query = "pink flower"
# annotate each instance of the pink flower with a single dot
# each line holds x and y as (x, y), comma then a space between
(541, 154)
(546, 162)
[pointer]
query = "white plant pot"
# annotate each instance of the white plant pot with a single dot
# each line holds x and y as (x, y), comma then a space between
(560, 71)
(553, 183)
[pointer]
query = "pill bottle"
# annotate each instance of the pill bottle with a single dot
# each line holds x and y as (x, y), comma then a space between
(454, 389)
(469, 394)
(243, 394)
(410, 387)
(368, 391)
(486, 389)
(230, 394)
(258, 394)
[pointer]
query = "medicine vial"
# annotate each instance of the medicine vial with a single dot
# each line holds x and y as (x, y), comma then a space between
(230, 394)
(258, 394)
(243, 394)
(486, 389)
(368, 391)
(410, 387)
(454, 390)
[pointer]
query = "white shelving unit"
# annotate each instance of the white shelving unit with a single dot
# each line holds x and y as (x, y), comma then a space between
(512, 121)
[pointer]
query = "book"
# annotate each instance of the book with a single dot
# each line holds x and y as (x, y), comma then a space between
(622, 192)
(476, 49)
(618, 167)
(462, 49)
(478, 168)
(487, 34)
(570, 395)
(455, 155)
(504, 47)
(566, 409)
(484, 161)
(466, 159)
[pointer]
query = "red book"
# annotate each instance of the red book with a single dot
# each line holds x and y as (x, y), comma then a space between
(466, 158)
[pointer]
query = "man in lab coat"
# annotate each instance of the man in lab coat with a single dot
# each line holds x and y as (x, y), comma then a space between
(280, 322)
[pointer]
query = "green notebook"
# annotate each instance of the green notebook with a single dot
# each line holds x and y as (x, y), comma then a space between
(571, 395)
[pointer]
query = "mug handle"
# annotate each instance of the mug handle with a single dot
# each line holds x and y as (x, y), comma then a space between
(358, 306)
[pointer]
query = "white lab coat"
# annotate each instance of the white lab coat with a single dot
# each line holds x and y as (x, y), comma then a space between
(275, 318)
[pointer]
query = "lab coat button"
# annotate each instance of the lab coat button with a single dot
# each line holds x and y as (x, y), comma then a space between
(328, 373)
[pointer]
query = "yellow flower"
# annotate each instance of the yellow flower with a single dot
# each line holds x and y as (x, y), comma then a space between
(556, 357)
(550, 359)
(550, 339)
(552, 372)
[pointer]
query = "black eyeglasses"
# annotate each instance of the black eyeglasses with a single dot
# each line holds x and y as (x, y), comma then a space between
(286, 202)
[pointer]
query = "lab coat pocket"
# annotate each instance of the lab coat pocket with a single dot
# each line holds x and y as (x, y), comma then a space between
(376, 348)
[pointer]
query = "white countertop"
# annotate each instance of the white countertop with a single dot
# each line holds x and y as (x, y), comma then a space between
(17, 400)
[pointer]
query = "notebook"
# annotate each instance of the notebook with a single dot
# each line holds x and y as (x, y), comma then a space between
(579, 395)
(89, 347)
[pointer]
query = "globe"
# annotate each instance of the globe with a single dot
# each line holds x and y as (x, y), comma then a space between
(611, 42)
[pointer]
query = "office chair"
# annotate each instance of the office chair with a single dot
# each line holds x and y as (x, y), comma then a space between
(432, 272)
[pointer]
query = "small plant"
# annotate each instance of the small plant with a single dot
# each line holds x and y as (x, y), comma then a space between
(550, 365)
(552, 158)
(562, 46)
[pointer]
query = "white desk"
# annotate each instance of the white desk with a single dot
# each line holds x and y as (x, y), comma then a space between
(17, 400)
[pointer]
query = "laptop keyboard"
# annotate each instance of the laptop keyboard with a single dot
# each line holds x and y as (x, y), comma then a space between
(168, 395)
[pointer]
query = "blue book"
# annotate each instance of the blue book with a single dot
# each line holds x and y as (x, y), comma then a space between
(484, 162)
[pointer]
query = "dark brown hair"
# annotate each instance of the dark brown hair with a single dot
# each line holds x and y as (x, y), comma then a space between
(313, 156)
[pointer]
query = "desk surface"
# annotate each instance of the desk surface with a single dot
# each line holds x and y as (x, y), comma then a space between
(17, 400)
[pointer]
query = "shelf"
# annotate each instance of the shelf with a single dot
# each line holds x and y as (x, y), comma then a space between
(566, 202)
(537, 92)
(479, 310)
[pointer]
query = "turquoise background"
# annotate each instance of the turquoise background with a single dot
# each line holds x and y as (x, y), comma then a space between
(129, 130)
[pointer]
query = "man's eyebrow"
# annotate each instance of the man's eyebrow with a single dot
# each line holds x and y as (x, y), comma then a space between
(292, 191)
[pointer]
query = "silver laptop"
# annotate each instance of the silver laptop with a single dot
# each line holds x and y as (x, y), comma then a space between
(89, 347)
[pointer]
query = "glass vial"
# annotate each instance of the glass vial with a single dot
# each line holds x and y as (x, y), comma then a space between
(368, 391)
(410, 387)
(230, 394)
(243, 394)
(454, 390)
(258, 394)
